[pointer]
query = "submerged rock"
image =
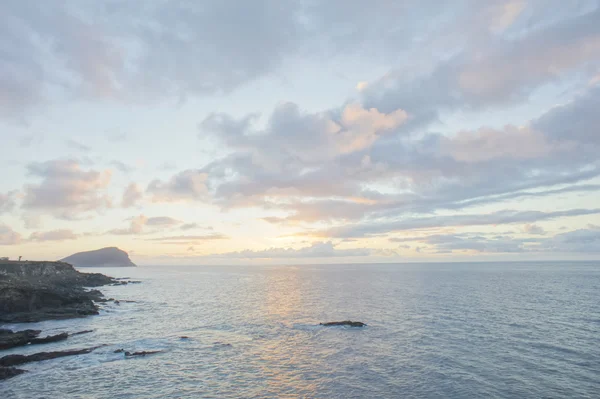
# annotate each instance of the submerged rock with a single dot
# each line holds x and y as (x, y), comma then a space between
(141, 353)
(9, 372)
(343, 323)
(10, 339)
(50, 338)
(83, 332)
(131, 354)
(15, 360)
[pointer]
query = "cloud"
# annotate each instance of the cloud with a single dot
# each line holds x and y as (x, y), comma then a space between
(460, 243)
(122, 52)
(360, 86)
(494, 70)
(489, 144)
(75, 145)
(7, 201)
(136, 226)
(54, 235)
(574, 122)
(186, 185)
(205, 237)
(577, 241)
(132, 195)
(181, 49)
(394, 156)
(534, 229)
(189, 226)
(139, 224)
(65, 189)
(510, 11)
(316, 250)
(274, 168)
(583, 240)
(494, 218)
(122, 167)
(163, 221)
(8, 236)
(306, 137)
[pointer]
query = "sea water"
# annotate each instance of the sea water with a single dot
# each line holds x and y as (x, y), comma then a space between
(455, 330)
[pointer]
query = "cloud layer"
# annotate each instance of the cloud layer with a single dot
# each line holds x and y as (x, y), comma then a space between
(423, 120)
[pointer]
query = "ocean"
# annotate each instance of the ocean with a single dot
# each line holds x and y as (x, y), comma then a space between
(453, 330)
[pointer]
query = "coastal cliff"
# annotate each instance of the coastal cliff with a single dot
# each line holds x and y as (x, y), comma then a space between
(36, 291)
(104, 257)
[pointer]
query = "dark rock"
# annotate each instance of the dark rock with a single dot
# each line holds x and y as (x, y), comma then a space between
(117, 302)
(50, 338)
(131, 354)
(184, 337)
(9, 339)
(83, 332)
(343, 323)
(24, 301)
(15, 360)
(142, 353)
(9, 372)
(37, 291)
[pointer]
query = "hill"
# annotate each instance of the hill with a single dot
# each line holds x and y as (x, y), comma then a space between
(105, 257)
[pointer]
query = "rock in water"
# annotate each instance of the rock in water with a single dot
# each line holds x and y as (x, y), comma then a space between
(15, 360)
(142, 353)
(49, 338)
(9, 339)
(83, 332)
(9, 372)
(105, 257)
(131, 354)
(344, 323)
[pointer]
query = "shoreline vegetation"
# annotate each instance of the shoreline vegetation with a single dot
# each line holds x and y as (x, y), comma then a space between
(34, 291)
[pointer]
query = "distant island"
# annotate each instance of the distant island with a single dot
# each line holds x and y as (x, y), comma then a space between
(104, 257)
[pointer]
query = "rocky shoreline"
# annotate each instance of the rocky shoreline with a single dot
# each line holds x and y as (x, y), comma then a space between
(38, 291)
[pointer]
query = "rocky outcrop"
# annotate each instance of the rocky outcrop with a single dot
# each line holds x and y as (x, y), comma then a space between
(344, 323)
(105, 257)
(36, 291)
(49, 339)
(15, 360)
(131, 354)
(9, 339)
(9, 372)
(82, 332)
(53, 273)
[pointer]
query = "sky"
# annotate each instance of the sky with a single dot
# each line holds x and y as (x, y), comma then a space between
(300, 131)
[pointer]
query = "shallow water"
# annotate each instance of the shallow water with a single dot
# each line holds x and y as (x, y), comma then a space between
(467, 330)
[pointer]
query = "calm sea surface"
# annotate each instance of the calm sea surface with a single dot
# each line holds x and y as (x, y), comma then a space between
(463, 330)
